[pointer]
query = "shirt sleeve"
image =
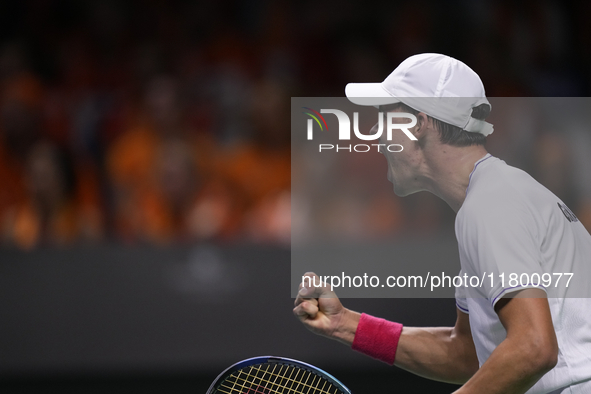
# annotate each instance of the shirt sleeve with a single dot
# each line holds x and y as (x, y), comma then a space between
(500, 244)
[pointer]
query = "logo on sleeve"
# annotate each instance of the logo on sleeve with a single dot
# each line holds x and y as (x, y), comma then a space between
(568, 213)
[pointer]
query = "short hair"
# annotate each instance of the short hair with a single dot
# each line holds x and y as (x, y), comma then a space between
(454, 135)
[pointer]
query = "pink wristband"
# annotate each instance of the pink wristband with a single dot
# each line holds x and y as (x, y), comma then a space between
(377, 338)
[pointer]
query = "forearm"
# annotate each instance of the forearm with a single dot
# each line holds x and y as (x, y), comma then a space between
(435, 353)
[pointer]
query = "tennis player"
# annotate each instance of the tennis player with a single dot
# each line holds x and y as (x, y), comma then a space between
(507, 338)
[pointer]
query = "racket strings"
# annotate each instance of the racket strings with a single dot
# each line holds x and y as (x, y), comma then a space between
(275, 379)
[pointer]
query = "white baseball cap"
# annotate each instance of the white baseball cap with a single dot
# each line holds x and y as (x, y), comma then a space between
(438, 85)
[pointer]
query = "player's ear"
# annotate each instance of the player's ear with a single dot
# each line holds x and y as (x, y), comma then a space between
(422, 125)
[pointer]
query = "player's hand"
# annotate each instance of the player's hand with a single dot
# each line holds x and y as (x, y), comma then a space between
(321, 311)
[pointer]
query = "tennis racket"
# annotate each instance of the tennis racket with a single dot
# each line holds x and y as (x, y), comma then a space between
(275, 375)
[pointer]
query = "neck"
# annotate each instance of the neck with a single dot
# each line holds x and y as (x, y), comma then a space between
(449, 172)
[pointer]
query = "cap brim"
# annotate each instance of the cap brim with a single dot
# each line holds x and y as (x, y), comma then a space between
(369, 94)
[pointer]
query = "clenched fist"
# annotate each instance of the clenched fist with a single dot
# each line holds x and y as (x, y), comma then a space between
(321, 311)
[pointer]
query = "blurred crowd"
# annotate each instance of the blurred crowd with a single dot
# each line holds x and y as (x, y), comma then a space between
(168, 122)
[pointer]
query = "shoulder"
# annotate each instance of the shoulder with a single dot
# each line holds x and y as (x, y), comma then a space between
(495, 188)
(500, 200)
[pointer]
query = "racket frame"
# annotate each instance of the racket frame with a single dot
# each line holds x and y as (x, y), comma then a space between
(275, 359)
